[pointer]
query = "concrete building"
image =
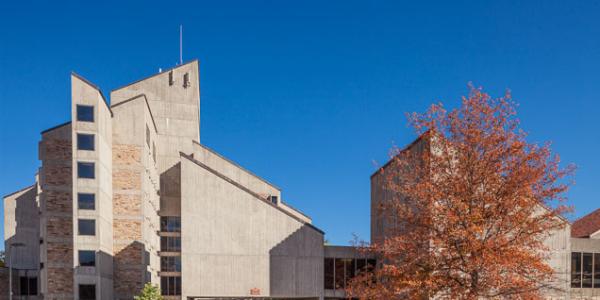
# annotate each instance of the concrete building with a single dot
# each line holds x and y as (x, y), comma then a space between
(126, 194)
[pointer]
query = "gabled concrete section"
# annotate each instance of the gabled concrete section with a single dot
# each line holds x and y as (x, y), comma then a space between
(230, 231)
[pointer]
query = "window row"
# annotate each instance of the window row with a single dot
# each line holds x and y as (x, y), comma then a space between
(170, 243)
(170, 224)
(170, 286)
(585, 270)
(339, 271)
(170, 264)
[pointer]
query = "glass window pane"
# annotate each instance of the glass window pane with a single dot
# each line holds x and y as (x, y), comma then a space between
(170, 264)
(87, 227)
(87, 292)
(85, 113)
(87, 258)
(597, 270)
(23, 286)
(85, 141)
(85, 170)
(170, 224)
(361, 265)
(576, 270)
(86, 201)
(328, 281)
(339, 273)
(33, 286)
(586, 281)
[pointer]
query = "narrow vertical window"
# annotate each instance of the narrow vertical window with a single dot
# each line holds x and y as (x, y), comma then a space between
(85, 170)
(85, 141)
(587, 270)
(85, 113)
(148, 136)
(576, 270)
(171, 81)
(328, 272)
(597, 270)
(154, 151)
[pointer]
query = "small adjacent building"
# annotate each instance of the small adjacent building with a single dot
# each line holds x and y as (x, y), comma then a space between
(127, 194)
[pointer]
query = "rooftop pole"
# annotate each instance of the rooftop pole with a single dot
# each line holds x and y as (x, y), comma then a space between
(180, 44)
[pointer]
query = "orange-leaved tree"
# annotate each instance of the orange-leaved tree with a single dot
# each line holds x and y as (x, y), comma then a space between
(464, 212)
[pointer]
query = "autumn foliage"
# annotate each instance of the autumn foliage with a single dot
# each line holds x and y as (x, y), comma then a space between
(467, 208)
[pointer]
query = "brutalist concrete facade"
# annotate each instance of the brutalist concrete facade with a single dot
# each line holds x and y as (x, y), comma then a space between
(126, 194)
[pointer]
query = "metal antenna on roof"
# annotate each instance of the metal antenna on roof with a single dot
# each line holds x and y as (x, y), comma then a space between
(180, 44)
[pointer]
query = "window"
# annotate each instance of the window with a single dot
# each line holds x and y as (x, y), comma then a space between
(329, 273)
(85, 141)
(86, 201)
(85, 170)
(576, 270)
(171, 81)
(147, 136)
(597, 270)
(586, 280)
(170, 243)
(87, 227)
(87, 258)
(186, 80)
(339, 273)
(273, 199)
(27, 286)
(170, 224)
(170, 286)
(85, 113)
(154, 151)
(87, 292)
(170, 263)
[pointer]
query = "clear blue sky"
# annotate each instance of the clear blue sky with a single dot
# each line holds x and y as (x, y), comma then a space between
(308, 94)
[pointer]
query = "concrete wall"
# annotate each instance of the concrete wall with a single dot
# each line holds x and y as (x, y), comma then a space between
(22, 225)
(559, 259)
(176, 111)
(233, 241)
(135, 198)
(84, 93)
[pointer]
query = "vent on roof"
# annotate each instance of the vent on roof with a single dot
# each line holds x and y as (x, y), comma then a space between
(273, 199)
(186, 80)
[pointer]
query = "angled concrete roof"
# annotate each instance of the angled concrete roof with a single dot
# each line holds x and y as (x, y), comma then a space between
(586, 225)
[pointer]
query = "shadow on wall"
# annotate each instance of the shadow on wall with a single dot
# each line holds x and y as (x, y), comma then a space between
(170, 191)
(26, 241)
(296, 264)
(130, 270)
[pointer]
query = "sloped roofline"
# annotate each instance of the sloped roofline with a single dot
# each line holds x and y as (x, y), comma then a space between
(95, 87)
(18, 191)
(235, 164)
(424, 135)
(147, 105)
(55, 127)
(245, 189)
(155, 74)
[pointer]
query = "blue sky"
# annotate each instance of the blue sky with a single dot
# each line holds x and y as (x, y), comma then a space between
(309, 94)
